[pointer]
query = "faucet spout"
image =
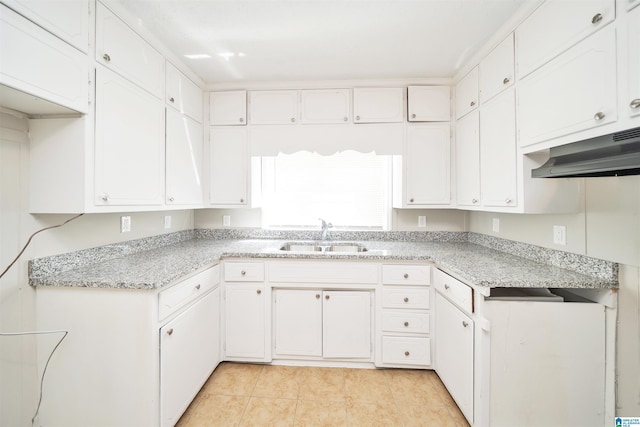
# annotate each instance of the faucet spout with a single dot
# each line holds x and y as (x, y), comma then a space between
(324, 232)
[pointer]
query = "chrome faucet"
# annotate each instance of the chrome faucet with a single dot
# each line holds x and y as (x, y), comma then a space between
(324, 233)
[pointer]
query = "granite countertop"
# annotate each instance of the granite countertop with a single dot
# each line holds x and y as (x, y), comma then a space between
(473, 263)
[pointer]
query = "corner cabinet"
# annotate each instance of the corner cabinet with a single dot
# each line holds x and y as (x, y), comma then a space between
(421, 176)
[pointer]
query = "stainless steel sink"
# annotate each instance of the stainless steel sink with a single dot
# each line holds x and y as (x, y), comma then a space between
(347, 247)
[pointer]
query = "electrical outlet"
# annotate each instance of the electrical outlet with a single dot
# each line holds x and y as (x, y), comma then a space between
(496, 225)
(125, 224)
(167, 221)
(422, 221)
(226, 220)
(559, 235)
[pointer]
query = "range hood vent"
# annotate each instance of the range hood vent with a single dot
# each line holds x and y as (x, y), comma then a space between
(615, 154)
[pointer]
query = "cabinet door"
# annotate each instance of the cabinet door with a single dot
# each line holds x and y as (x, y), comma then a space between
(346, 319)
(633, 28)
(189, 352)
(429, 103)
(26, 50)
(498, 174)
(273, 107)
(467, 93)
(122, 50)
(554, 102)
(427, 165)
(184, 160)
(325, 106)
(468, 160)
(245, 332)
(68, 20)
(228, 108)
(129, 143)
(228, 166)
(182, 94)
(496, 70)
(556, 26)
(378, 105)
(298, 322)
(454, 353)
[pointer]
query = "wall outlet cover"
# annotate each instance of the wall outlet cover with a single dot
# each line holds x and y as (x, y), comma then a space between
(422, 221)
(496, 225)
(226, 220)
(167, 221)
(559, 235)
(125, 224)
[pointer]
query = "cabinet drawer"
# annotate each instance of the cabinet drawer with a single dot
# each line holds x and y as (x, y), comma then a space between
(243, 272)
(406, 275)
(405, 321)
(322, 272)
(181, 294)
(406, 350)
(405, 298)
(456, 291)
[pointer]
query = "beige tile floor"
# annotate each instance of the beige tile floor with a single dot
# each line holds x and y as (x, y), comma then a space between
(264, 395)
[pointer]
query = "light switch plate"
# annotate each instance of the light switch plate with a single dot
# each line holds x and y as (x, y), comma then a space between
(559, 235)
(496, 225)
(422, 221)
(167, 221)
(125, 224)
(226, 220)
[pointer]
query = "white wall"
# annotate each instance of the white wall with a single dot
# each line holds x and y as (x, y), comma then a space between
(608, 227)
(19, 383)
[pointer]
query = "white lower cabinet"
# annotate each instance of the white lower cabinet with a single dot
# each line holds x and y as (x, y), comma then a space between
(189, 351)
(246, 322)
(320, 323)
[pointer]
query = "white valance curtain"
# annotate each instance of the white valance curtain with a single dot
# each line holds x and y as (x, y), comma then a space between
(383, 139)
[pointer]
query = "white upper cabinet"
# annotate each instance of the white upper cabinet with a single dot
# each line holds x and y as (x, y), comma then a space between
(429, 103)
(183, 160)
(468, 160)
(325, 106)
(273, 107)
(467, 93)
(34, 62)
(496, 70)
(422, 173)
(68, 20)
(129, 143)
(182, 94)
(378, 105)
(553, 102)
(556, 26)
(633, 28)
(228, 166)
(498, 174)
(122, 50)
(228, 108)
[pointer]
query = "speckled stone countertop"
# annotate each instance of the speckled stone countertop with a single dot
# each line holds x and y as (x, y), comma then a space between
(478, 264)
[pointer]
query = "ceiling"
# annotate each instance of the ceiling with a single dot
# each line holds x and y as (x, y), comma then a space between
(278, 40)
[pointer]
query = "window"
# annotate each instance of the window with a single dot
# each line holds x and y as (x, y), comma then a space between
(348, 189)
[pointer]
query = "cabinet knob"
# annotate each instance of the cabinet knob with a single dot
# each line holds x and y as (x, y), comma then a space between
(243, 273)
(170, 331)
(106, 57)
(171, 199)
(198, 286)
(474, 201)
(465, 323)
(413, 116)
(406, 353)
(411, 200)
(406, 299)
(346, 119)
(596, 18)
(241, 200)
(598, 116)
(105, 197)
(317, 296)
(326, 297)
(241, 119)
(293, 119)
(172, 99)
(506, 80)
(406, 275)
(446, 286)
(472, 103)
(635, 103)
(357, 118)
(406, 324)
(259, 291)
(507, 200)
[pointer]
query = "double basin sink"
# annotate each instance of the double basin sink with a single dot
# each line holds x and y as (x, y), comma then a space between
(348, 247)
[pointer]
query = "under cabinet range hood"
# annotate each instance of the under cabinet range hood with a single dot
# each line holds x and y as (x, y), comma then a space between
(615, 154)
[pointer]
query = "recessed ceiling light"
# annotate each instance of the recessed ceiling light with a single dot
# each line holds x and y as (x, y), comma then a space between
(198, 56)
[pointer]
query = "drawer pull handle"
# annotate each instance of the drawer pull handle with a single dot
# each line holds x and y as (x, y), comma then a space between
(598, 116)
(170, 331)
(596, 18)
(446, 286)
(635, 103)
(259, 291)
(506, 80)
(198, 286)
(406, 324)
(106, 57)
(406, 275)
(243, 273)
(472, 103)
(406, 299)
(317, 296)
(406, 353)
(465, 323)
